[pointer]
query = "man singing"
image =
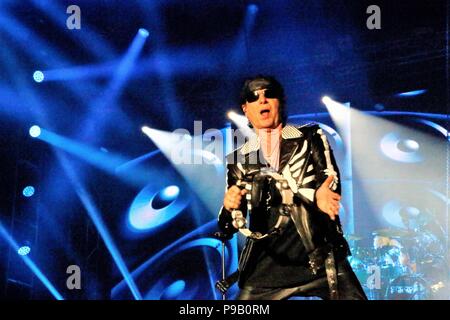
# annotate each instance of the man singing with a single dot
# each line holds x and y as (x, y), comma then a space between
(308, 257)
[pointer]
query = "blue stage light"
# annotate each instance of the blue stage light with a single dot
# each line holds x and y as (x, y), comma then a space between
(96, 217)
(170, 193)
(435, 126)
(165, 197)
(326, 99)
(174, 290)
(152, 208)
(23, 251)
(28, 191)
(411, 93)
(38, 76)
(252, 8)
(33, 267)
(35, 131)
(168, 254)
(143, 32)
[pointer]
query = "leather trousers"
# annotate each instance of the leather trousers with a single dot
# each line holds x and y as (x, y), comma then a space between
(349, 288)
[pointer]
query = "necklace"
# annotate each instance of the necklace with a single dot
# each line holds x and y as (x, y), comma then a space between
(269, 142)
(271, 149)
(271, 153)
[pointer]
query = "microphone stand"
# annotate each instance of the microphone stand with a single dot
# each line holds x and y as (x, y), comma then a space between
(222, 285)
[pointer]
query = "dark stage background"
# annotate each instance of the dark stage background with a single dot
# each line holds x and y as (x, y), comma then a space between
(108, 199)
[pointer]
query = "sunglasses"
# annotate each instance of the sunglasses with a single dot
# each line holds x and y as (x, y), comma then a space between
(253, 96)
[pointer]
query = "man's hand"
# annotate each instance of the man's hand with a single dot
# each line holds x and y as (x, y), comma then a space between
(233, 197)
(327, 200)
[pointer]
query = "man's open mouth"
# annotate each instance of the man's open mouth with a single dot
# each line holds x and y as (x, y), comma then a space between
(264, 111)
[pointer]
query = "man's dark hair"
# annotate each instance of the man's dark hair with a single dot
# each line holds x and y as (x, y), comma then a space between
(262, 82)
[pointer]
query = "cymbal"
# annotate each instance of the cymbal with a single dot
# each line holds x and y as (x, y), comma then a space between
(354, 237)
(393, 233)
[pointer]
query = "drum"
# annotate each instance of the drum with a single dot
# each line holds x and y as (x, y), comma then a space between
(435, 270)
(379, 268)
(363, 254)
(428, 244)
(408, 287)
(361, 258)
(360, 270)
(375, 278)
(380, 242)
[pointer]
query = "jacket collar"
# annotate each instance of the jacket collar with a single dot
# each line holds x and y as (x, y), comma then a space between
(253, 144)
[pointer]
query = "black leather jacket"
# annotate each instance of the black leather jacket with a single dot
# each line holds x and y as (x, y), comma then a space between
(306, 160)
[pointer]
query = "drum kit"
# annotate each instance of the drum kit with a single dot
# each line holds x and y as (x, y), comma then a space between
(401, 264)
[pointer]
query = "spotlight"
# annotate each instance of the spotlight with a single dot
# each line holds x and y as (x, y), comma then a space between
(28, 191)
(241, 122)
(170, 192)
(403, 150)
(151, 208)
(408, 145)
(143, 32)
(252, 8)
(326, 99)
(35, 131)
(23, 251)
(411, 93)
(38, 76)
(231, 114)
(165, 197)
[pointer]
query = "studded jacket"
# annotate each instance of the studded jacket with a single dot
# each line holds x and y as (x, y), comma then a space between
(306, 160)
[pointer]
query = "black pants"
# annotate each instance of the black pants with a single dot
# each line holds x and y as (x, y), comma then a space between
(348, 286)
